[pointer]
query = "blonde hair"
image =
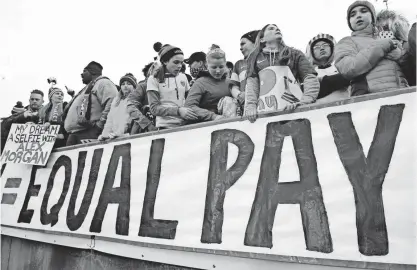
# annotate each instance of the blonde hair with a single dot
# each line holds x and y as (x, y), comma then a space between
(216, 53)
(397, 23)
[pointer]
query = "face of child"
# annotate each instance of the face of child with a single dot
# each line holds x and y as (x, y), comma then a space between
(246, 47)
(174, 64)
(217, 67)
(57, 97)
(126, 87)
(272, 33)
(322, 51)
(360, 17)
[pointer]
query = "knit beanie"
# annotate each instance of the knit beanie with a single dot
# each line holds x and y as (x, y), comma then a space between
(94, 68)
(251, 36)
(167, 51)
(365, 4)
(18, 108)
(130, 78)
(53, 90)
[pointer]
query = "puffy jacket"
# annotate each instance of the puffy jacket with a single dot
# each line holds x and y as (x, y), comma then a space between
(361, 58)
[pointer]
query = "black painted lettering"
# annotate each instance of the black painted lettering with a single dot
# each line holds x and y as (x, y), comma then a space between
(306, 192)
(26, 214)
(220, 179)
(74, 221)
(118, 195)
(367, 174)
(52, 217)
(150, 227)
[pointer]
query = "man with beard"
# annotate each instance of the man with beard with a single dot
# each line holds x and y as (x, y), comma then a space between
(29, 115)
(86, 114)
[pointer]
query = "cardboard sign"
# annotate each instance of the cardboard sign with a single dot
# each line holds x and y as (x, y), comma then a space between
(335, 183)
(29, 144)
(278, 88)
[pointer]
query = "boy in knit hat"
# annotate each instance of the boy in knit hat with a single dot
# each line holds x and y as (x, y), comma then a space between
(368, 61)
(320, 52)
(86, 114)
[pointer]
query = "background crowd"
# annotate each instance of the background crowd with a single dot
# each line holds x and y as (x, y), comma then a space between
(378, 56)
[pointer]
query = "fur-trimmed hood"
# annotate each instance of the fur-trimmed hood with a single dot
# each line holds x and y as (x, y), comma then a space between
(309, 50)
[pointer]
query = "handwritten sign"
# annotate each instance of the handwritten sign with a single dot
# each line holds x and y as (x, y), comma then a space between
(29, 144)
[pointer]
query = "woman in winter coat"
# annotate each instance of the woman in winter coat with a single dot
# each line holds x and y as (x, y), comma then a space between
(270, 51)
(320, 52)
(167, 87)
(118, 118)
(210, 97)
(51, 114)
(369, 61)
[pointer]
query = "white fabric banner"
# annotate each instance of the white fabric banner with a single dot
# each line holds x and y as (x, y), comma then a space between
(333, 183)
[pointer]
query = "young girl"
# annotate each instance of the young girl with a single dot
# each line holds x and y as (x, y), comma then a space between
(370, 62)
(238, 79)
(51, 114)
(210, 96)
(118, 117)
(167, 88)
(266, 66)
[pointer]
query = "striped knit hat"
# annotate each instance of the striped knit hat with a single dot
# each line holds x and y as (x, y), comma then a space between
(130, 78)
(53, 90)
(365, 4)
(18, 108)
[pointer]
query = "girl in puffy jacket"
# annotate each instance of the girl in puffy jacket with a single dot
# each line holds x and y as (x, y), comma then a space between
(368, 60)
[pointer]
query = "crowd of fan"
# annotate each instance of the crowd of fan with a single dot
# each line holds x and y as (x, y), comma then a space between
(378, 56)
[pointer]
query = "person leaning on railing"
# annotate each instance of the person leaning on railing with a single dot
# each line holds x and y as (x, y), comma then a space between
(166, 88)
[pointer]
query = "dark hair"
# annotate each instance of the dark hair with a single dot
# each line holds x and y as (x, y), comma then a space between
(183, 67)
(145, 70)
(36, 91)
(229, 64)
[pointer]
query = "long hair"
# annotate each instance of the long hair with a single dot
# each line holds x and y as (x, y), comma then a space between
(389, 20)
(284, 54)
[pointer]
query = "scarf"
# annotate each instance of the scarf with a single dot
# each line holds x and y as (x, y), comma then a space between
(51, 113)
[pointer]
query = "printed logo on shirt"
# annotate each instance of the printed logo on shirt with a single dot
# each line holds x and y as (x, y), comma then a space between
(183, 83)
(260, 61)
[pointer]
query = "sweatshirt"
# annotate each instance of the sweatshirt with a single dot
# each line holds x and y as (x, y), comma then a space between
(205, 94)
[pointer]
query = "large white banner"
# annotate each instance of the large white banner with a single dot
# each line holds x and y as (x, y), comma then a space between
(333, 183)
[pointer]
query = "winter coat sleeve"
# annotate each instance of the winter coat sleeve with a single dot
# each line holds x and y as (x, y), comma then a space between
(154, 99)
(308, 77)
(311, 89)
(109, 123)
(351, 63)
(105, 93)
(193, 101)
(331, 83)
(135, 102)
(252, 92)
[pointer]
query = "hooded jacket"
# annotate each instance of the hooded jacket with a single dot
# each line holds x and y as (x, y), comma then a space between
(301, 68)
(362, 59)
(331, 82)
